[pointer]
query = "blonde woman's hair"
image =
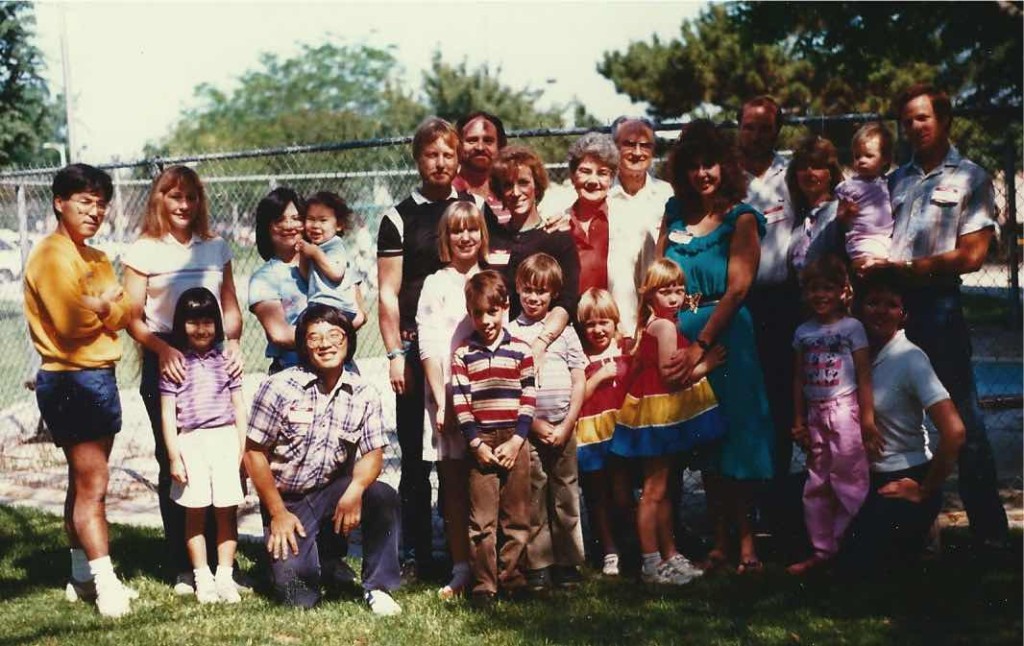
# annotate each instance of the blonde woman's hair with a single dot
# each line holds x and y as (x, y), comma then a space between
(154, 222)
(458, 217)
(662, 273)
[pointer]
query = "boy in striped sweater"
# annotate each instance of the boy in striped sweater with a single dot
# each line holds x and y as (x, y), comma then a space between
(494, 398)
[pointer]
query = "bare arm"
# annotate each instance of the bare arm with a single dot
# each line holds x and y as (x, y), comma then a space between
(434, 377)
(169, 416)
(270, 314)
(607, 371)
(744, 257)
(172, 362)
(229, 306)
(873, 442)
(360, 318)
(389, 279)
(969, 256)
(951, 437)
(665, 333)
(799, 431)
(241, 419)
(284, 525)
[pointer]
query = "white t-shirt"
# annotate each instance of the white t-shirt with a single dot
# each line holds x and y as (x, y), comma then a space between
(633, 224)
(171, 267)
(827, 364)
(904, 385)
(770, 195)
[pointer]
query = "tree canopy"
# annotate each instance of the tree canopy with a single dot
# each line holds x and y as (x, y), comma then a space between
(831, 58)
(28, 117)
(333, 92)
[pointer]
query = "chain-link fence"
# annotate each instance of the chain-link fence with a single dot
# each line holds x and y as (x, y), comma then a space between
(372, 176)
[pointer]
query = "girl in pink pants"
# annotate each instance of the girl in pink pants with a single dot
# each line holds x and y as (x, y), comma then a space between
(835, 414)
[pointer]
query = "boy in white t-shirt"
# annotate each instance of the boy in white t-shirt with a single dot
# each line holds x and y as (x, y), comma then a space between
(556, 537)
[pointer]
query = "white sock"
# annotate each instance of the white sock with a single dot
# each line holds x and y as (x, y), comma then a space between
(80, 565)
(651, 561)
(102, 570)
(203, 574)
(225, 573)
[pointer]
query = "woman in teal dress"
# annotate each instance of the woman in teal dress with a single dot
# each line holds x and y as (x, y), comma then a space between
(715, 238)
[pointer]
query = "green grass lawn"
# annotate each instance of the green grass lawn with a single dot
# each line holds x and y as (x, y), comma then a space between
(955, 599)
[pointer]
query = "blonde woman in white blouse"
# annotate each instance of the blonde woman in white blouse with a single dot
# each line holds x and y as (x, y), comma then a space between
(442, 323)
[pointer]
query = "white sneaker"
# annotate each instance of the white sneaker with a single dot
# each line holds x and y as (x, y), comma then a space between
(86, 591)
(611, 565)
(665, 574)
(80, 591)
(227, 591)
(206, 591)
(185, 584)
(381, 603)
(680, 564)
(112, 599)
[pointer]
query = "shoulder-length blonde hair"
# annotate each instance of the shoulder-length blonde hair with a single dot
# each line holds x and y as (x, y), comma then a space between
(458, 217)
(662, 273)
(154, 222)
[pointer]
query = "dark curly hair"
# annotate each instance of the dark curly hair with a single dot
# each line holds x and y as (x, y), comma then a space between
(702, 142)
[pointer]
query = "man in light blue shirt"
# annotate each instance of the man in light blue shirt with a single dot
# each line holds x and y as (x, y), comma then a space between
(944, 213)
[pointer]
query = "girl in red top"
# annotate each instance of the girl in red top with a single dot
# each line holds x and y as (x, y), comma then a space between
(606, 486)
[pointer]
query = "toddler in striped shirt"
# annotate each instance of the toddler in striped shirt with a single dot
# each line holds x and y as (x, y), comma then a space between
(204, 428)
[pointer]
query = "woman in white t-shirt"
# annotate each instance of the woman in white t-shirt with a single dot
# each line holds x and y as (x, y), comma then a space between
(176, 251)
(905, 492)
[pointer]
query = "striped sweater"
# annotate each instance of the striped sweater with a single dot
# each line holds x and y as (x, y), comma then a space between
(493, 389)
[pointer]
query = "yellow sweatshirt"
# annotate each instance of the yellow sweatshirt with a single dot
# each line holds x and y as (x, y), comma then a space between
(67, 335)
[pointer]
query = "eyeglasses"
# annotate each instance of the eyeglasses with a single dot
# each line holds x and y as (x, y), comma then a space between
(629, 144)
(334, 337)
(85, 205)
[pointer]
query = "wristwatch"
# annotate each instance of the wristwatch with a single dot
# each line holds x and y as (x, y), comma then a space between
(397, 352)
(475, 444)
(908, 265)
(704, 345)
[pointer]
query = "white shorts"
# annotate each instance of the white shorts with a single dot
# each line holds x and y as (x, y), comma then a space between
(211, 466)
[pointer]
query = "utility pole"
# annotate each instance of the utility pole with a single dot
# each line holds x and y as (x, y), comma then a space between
(69, 97)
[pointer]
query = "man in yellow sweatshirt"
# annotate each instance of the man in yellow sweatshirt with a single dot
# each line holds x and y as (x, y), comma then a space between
(74, 307)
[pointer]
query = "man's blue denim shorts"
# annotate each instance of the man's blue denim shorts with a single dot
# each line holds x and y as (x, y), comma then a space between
(79, 405)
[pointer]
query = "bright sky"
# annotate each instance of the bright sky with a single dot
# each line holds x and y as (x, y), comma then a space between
(133, 66)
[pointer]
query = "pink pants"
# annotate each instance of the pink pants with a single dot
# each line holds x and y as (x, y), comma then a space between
(837, 471)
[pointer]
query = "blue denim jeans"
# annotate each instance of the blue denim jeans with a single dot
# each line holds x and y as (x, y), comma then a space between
(297, 579)
(935, 322)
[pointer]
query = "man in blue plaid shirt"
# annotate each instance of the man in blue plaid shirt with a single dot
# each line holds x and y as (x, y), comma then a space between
(314, 450)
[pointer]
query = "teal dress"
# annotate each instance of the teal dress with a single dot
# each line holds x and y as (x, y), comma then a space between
(739, 383)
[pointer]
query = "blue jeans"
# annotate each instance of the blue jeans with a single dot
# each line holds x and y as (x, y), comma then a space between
(935, 322)
(297, 579)
(889, 532)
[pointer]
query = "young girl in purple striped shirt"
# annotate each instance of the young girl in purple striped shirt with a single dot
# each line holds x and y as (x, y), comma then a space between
(204, 429)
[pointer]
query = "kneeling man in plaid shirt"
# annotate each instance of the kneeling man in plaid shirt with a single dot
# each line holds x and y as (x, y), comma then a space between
(314, 450)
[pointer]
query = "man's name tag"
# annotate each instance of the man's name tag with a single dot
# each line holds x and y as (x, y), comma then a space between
(498, 257)
(946, 195)
(300, 416)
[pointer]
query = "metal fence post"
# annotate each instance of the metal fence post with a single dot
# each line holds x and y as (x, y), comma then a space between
(1010, 180)
(30, 352)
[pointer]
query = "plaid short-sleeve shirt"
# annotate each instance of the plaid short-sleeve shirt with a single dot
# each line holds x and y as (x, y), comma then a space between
(310, 436)
(931, 210)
